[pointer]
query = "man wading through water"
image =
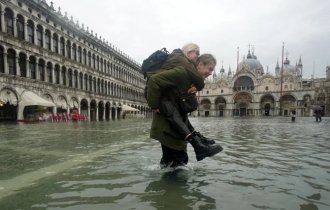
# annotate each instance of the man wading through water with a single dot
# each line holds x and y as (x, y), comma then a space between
(181, 75)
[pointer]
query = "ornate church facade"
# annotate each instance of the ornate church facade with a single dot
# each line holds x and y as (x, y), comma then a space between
(51, 63)
(253, 92)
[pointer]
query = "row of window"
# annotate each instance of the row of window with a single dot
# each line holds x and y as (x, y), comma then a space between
(52, 42)
(48, 72)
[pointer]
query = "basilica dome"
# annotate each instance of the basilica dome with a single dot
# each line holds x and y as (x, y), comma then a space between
(287, 68)
(251, 64)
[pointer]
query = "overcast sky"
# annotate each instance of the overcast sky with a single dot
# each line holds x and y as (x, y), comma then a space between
(139, 27)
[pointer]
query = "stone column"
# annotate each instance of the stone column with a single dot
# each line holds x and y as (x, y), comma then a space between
(43, 38)
(89, 113)
(97, 113)
(37, 70)
(53, 74)
(2, 20)
(78, 78)
(35, 35)
(116, 110)
(18, 69)
(25, 32)
(60, 76)
(110, 113)
(85, 84)
(14, 24)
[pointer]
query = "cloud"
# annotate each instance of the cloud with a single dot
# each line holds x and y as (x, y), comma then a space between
(218, 26)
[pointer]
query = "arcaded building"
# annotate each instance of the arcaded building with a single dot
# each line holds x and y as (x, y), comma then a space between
(252, 91)
(52, 63)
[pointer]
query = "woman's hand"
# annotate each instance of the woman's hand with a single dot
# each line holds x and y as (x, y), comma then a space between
(192, 89)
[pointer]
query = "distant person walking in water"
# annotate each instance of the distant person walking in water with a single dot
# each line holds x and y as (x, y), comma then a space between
(293, 115)
(318, 115)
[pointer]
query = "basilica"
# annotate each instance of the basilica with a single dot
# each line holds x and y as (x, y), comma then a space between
(52, 65)
(253, 92)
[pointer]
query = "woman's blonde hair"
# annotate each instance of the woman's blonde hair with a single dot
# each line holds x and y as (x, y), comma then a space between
(206, 59)
(189, 48)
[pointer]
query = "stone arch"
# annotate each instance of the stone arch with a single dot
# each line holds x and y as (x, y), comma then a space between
(93, 107)
(48, 97)
(205, 107)
(11, 61)
(74, 103)
(9, 21)
(22, 61)
(243, 82)
(8, 104)
(243, 104)
(62, 104)
(220, 106)
(84, 108)
(8, 95)
(287, 103)
(33, 67)
(101, 110)
(267, 105)
(107, 110)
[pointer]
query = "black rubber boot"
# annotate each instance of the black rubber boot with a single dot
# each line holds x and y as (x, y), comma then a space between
(202, 150)
(204, 140)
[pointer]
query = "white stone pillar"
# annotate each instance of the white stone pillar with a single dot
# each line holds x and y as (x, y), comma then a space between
(37, 70)
(2, 20)
(14, 25)
(26, 38)
(110, 113)
(18, 69)
(89, 113)
(60, 76)
(97, 113)
(35, 35)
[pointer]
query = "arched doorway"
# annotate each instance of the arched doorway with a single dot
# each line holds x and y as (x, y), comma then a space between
(84, 108)
(288, 103)
(220, 104)
(267, 105)
(267, 109)
(8, 105)
(101, 110)
(205, 107)
(92, 113)
(242, 104)
(107, 111)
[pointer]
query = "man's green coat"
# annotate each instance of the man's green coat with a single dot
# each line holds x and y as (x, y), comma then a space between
(178, 74)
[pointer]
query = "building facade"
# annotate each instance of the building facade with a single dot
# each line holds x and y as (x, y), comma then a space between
(253, 92)
(49, 62)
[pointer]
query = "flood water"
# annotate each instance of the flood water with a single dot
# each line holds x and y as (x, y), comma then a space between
(267, 163)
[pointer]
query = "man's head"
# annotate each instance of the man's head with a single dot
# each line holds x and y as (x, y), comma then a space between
(206, 64)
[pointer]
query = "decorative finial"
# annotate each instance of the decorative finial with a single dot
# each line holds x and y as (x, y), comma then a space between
(59, 11)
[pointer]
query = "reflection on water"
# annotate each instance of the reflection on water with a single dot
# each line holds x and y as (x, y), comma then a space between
(267, 163)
